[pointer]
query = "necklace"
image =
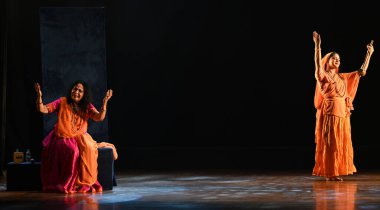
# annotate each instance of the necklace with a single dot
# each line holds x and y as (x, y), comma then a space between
(340, 87)
(75, 117)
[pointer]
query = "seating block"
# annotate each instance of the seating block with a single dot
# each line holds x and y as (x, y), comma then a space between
(26, 176)
(23, 176)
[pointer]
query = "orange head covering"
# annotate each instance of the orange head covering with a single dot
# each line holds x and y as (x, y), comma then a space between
(318, 95)
(325, 60)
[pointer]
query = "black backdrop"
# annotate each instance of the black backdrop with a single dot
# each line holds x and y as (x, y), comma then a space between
(73, 48)
(206, 84)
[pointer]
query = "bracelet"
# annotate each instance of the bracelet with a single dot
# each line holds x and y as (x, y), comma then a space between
(362, 72)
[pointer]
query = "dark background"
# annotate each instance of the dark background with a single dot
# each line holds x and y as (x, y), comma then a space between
(203, 84)
(73, 47)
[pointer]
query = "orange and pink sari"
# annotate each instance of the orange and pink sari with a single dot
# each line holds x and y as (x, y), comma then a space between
(69, 155)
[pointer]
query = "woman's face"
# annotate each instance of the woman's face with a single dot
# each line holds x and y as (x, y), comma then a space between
(334, 61)
(77, 92)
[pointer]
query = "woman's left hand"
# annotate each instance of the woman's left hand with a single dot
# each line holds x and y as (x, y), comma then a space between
(370, 48)
(108, 96)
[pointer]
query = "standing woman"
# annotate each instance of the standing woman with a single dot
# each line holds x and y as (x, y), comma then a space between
(69, 154)
(334, 94)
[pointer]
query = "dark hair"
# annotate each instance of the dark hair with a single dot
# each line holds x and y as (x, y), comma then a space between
(87, 95)
(332, 54)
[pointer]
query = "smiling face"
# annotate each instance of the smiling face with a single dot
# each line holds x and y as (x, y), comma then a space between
(77, 92)
(334, 62)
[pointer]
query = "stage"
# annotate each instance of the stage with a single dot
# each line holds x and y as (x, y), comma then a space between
(201, 190)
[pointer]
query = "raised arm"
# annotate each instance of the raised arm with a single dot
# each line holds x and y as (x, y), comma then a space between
(39, 104)
(367, 58)
(317, 56)
(99, 116)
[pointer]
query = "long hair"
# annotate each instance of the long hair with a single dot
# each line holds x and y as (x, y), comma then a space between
(87, 95)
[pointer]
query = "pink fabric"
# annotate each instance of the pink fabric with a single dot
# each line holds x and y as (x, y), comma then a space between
(60, 161)
(59, 168)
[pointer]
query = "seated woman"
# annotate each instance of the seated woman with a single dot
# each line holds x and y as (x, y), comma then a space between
(69, 154)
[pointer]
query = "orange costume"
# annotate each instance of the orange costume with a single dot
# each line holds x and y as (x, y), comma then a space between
(333, 99)
(69, 155)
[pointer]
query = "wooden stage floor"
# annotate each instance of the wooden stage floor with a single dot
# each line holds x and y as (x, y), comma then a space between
(211, 190)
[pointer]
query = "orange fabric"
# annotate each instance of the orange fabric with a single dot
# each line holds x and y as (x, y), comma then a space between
(88, 167)
(334, 152)
(66, 127)
(333, 100)
(106, 144)
(318, 98)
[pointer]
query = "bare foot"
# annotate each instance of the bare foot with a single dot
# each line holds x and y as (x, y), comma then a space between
(334, 178)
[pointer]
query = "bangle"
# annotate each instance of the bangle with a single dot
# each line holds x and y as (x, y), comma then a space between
(362, 72)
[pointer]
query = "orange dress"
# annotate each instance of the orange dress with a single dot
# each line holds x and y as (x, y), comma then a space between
(69, 156)
(333, 100)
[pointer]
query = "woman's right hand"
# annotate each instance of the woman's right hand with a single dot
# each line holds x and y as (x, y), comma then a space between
(40, 105)
(37, 87)
(317, 39)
